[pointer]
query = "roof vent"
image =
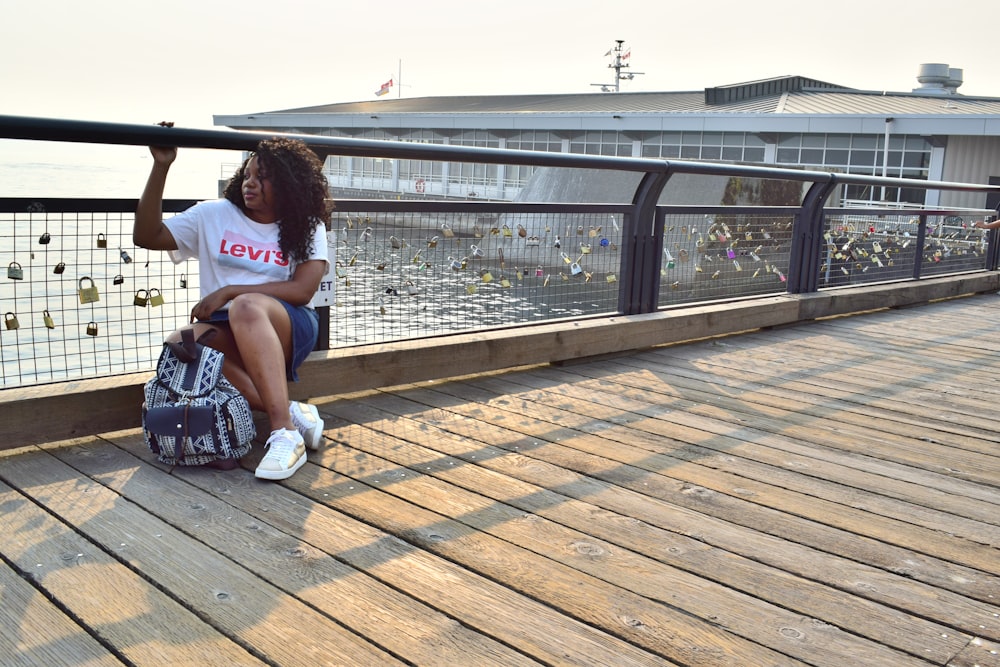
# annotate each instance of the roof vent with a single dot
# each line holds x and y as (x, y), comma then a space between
(938, 79)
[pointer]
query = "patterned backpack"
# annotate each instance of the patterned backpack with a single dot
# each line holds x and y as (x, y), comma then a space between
(192, 414)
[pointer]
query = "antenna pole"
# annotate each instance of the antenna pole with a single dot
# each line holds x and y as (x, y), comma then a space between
(618, 64)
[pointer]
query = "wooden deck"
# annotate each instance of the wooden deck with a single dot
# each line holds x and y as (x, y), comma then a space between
(823, 494)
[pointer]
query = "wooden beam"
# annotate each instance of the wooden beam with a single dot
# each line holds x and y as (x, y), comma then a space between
(49, 413)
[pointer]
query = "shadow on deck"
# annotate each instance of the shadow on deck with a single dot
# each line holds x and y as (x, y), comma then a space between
(822, 494)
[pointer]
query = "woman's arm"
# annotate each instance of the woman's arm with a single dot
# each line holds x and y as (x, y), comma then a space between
(297, 291)
(149, 230)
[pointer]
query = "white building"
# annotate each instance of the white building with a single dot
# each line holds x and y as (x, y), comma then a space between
(932, 132)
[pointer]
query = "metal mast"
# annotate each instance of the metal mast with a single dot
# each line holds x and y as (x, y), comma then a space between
(619, 57)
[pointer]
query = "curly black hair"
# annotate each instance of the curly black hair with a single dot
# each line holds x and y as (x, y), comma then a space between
(300, 190)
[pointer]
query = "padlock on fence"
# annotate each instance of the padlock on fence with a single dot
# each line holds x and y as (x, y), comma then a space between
(10, 320)
(184, 280)
(118, 280)
(59, 268)
(44, 239)
(155, 299)
(47, 320)
(92, 329)
(141, 298)
(14, 271)
(88, 294)
(102, 241)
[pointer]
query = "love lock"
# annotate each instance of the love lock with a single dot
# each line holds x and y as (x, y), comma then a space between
(141, 298)
(10, 320)
(14, 271)
(88, 294)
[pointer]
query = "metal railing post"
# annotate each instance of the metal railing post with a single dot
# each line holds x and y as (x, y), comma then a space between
(807, 234)
(642, 243)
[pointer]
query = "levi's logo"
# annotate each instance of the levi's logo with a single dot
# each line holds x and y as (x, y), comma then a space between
(244, 250)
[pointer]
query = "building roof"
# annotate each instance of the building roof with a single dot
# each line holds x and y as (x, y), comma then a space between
(780, 95)
(783, 104)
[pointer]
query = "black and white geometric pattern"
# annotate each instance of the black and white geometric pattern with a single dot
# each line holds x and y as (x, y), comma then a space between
(199, 383)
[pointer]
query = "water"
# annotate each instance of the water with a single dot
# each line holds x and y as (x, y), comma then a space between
(56, 169)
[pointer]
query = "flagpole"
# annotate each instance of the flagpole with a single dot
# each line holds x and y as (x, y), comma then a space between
(399, 80)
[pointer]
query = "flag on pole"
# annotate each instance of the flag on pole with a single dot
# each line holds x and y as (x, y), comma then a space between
(384, 89)
(627, 54)
(608, 53)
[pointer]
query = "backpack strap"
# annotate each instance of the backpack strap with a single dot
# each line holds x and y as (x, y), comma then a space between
(187, 350)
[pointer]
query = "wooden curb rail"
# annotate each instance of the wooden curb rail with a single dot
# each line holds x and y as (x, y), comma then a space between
(53, 412)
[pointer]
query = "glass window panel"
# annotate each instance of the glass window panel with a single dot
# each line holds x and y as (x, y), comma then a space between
(690, 152)
(788, 155)
(917, 144)
(864, 141)
(812, 156)
(711, 139)
(789, 140)
(814, 141)
(836, 157)
(751, 154)
(863, 158)
(732, 153)
(711, 152)
(838, 141)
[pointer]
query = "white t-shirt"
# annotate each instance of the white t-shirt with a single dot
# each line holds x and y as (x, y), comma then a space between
(231, 248)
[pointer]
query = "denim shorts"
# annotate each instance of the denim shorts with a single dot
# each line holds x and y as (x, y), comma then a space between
(305, 333)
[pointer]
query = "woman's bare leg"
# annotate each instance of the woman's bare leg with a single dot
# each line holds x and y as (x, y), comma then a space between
(259, 330)
(262, 333)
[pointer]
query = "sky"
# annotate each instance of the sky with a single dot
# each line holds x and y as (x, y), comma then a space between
(136, 61)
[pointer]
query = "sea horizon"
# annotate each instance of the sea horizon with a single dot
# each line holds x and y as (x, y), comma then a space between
(73, 170)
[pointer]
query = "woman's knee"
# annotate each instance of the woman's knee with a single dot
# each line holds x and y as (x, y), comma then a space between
(246, 307)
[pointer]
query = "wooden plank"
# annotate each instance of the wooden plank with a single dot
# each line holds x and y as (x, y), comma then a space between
(477, 601)
(602, 528)
(756, 408)
(841, 516)
(672, 374)
(630, 467)
(407, 628)
(648, 625)
(866, 490)
(127, 613)
(33, 631)
(236, 602)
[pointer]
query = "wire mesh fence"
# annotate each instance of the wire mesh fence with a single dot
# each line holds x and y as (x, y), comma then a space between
(868, 248)
(79, 300)
(406, 275)
(708, 257)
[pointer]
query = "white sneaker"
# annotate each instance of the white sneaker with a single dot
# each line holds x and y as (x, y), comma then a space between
(286, 453)
(307, 421)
